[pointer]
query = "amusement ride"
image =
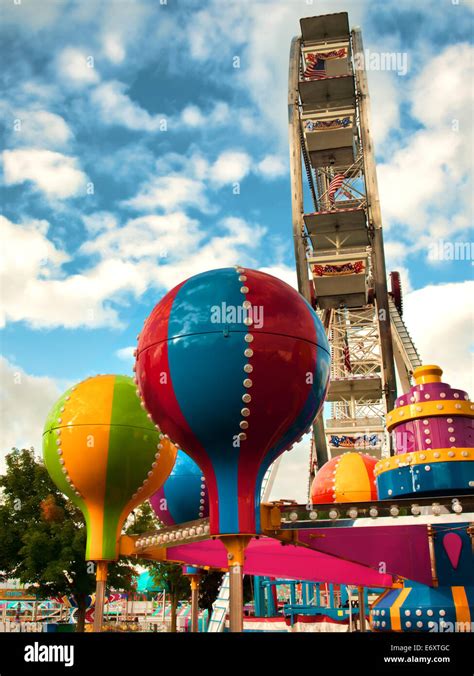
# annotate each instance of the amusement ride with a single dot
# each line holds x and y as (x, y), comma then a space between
(201, 426)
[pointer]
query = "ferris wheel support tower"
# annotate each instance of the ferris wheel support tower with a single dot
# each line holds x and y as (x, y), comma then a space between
(375, 224)
(339, 250)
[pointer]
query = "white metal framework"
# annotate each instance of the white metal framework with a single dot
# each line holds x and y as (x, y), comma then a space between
(338, 243)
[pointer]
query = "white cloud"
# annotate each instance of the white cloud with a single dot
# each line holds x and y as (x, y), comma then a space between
(183, 181)
(148, 252)
(55, 174)
(255, 33)
(192, 116)
(76, 68)
(291, 480)
(172, 248)
(427, 183)
(40, 128)
(23, 16)
(233, 239)
(272, 166)
(283, 272)
(386, 92)
(169, 193)
(26, 251)
(440, 320)
(99, 221)
(113, 48)
(36, 291)
(439, 93)
(117, 108)
(126, 353)
(418, 175)
(230, 166)
(25, 403)
(146, 237)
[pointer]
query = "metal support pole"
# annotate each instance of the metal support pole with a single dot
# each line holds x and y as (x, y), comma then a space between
(259, 596)
(236, 545)
(431, 545)
(304, 593)
(293, 593)
(375, 220)
(297, 210)
(101, 579)
(349, 598)
(361, 608)
(195, 603)
(295, 170)
(236, 597)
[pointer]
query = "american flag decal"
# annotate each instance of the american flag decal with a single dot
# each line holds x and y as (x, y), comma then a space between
(335, 185)
(316, 69)
(347, 356)
(315, 63)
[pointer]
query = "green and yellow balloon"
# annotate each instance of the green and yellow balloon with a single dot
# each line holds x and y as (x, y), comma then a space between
(106, 455)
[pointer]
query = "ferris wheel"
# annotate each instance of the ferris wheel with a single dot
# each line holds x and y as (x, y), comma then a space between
(338, 238)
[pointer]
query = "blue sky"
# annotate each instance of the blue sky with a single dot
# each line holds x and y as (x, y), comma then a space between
(138, 154)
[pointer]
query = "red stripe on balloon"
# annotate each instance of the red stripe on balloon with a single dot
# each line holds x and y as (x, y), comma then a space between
(155, 328)
(152, 367)
(273, 297)
(370, 463)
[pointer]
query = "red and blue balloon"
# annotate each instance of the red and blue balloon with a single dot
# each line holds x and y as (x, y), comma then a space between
(233, 365)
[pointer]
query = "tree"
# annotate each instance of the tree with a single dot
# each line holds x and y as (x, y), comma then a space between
(170, 577)
(141, 520)
(43, 536)
(209, 589)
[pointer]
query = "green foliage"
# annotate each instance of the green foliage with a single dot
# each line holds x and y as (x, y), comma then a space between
(141, 520)
(209, 586)
(43, 535)
(169, 576)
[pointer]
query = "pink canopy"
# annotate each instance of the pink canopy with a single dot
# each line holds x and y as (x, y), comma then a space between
(399, 550)
(265, 556)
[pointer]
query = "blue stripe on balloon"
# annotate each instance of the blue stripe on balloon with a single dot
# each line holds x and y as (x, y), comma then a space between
(217, 292)
(182, 489)
(206, 368)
